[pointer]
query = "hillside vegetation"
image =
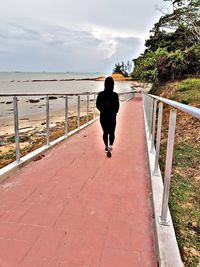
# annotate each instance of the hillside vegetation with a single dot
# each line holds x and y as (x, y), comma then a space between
(173, 48)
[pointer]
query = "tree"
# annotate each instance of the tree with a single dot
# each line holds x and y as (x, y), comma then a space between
(181, 39)
(117, 68)
(185, 12)
(129, 67)
(123, 68)
(173, 48)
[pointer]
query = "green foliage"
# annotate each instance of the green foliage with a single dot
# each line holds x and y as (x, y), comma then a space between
(22, 138)
(146, 66)
(181, 38)
(176, 64)
(161, 66)
(192, 57)
(173, 48)
(11, 139)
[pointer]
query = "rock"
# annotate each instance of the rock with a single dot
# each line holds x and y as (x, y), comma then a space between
(40, 133)
(52, 97)
(34, 100)
(51, 80)
(24, 119)
(65, 80)
(52, 125)
(39, 157)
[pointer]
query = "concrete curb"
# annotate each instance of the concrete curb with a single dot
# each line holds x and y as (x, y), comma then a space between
(6, 171)
(168, 254)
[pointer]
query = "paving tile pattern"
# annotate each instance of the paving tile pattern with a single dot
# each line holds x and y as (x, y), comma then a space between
(77, 208)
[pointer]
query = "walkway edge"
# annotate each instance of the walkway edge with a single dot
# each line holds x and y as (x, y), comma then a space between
(168, 254)
(6, 171)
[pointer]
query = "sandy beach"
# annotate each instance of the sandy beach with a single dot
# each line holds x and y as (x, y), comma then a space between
(37, 120)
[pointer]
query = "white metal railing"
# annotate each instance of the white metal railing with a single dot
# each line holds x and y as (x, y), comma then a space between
(87, 96)
(150, 103)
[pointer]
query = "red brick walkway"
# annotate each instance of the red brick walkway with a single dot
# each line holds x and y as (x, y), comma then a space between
(77, 208)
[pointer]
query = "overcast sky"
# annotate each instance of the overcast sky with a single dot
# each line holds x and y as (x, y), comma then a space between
(73, 35)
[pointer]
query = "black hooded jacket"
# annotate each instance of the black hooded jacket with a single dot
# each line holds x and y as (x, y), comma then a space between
(108, 101)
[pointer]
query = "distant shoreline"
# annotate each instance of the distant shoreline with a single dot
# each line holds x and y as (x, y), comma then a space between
(116, 77)
(101, 78)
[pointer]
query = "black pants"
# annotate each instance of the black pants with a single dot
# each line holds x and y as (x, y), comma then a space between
(108, 125)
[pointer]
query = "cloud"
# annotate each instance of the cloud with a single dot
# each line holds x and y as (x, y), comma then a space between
(61, 48)
(72, 35)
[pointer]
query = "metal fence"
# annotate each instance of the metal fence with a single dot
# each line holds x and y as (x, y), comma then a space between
(153, 109)
(88, 98)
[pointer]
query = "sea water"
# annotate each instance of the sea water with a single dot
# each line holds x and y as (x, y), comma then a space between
(47, 83)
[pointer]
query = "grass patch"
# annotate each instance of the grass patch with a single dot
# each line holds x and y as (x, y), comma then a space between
(184, 200)
(9, 155)
(22, 138)
(186, 156)
(188, 91)
(189, 84)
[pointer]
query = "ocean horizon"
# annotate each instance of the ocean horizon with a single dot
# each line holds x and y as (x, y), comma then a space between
(11, 76)
(15, 83)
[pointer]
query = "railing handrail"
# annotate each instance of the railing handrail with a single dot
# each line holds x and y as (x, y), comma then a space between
(59, 94)
(150, 108)
(168, 253)
(46, 95)
(193, 111)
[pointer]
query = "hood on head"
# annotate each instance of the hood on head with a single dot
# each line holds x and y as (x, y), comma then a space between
(109, 85)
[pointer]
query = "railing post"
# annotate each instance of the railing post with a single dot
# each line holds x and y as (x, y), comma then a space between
(158, 137)
(78, 111)
(144, 101)
(66, 115)
(47, 120)
(145, 106)
(87, 108)
(168, 167)
(154, 126)
(144, 98)
(94, 106)
(16, 127)
(150, 117)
